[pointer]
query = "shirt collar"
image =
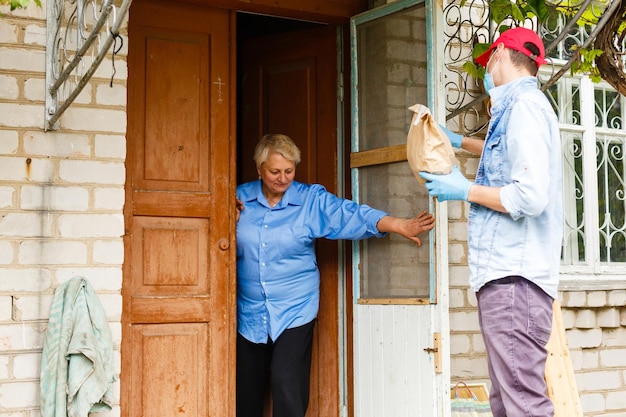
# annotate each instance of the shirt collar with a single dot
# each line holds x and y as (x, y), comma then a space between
(497, 93)
(292, 196)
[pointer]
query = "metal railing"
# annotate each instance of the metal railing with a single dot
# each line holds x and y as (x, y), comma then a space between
(80, 34)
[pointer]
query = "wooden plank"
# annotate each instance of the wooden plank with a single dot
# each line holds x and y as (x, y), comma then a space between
(560, 378)
(395, 301)
(378, 156)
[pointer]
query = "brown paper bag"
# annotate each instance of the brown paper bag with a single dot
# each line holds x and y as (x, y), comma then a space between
(427, 147)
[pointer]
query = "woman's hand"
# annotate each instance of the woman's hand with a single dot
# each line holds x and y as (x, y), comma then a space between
(239, 207)
(421, 223)
(409, 228)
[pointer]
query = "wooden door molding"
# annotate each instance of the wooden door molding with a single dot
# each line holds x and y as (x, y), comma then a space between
(323, 11)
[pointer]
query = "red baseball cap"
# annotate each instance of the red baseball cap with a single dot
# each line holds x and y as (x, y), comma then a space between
(515, 38)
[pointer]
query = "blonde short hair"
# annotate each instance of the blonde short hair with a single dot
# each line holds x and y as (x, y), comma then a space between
(276, 143)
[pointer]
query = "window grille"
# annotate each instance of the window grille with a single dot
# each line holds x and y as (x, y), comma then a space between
(591, 117)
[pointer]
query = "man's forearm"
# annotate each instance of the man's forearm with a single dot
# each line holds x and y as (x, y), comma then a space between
(486, 196)
(473, 145)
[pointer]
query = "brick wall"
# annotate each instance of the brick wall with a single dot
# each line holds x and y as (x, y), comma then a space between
(61, 201)
(596, 332)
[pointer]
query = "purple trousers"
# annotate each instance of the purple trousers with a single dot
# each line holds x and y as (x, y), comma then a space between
(515, 319)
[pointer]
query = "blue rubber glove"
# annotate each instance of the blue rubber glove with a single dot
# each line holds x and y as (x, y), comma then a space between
(455, 139)
(452, 186)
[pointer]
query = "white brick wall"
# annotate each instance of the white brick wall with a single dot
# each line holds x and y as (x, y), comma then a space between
(61, 202)
(8, 87)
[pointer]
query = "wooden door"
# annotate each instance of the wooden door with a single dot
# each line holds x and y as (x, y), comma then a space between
(289, 85)
(178, 287)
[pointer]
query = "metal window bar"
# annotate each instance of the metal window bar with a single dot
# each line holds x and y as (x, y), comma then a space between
(64, 75)
(611, 202)
(573, 251)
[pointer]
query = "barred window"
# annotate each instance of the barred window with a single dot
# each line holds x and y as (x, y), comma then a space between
(591, 117)
(594, 142)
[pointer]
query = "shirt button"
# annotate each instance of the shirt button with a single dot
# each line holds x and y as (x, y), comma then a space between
(265, 226)
(263, 244)
(262, 263)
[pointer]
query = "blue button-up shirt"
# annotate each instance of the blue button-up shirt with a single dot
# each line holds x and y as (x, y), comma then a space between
(521, 154)
(277, 275)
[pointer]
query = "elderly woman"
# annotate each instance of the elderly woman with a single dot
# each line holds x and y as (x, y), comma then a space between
(277, 276)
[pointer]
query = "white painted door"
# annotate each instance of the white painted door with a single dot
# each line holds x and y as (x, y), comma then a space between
(401, 332)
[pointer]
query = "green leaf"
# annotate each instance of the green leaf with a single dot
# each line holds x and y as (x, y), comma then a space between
(479, 49)
(539, 8)
(594, 53)
(474, 70)
(500, 10)
(516, 12)
(18, 4)
(503, 28)
(591, 13)
(595, 78)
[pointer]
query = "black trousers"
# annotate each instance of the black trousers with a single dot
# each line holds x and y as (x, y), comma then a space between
(285, 364)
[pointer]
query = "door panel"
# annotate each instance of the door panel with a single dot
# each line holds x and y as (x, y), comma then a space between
(288, 85)
(179, 106)
(167, 254)
(279, 97)
(177, 346)
(178, 288)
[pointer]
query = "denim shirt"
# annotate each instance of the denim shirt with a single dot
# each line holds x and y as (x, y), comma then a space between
(277, 275)
(521, 154)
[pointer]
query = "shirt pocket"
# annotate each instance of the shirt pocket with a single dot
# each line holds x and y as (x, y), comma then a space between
(494, 159)
(540, 323)
(293, 241)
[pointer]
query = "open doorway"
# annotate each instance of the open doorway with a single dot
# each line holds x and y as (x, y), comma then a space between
(287, 82)
(257, 35)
